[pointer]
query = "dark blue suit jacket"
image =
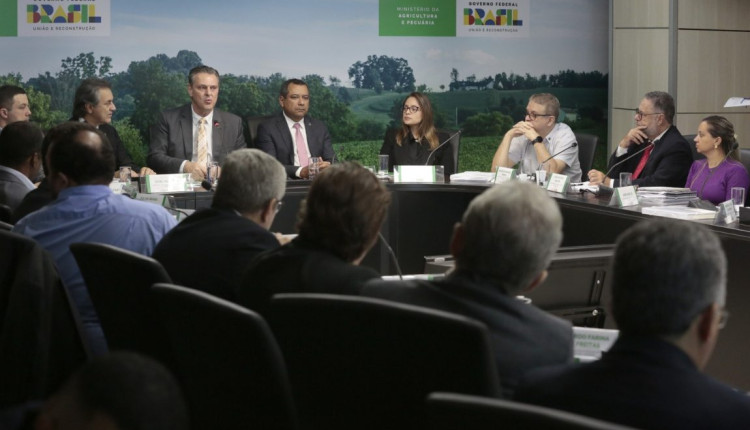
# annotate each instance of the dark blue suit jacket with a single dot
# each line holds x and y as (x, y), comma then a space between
(667, 166)
(645, 383)
(275, 138)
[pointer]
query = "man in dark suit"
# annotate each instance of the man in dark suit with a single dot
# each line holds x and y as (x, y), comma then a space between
(14, 105)
(654, 151)
(502, 247)
(94, 103)
(292, 136)
(188, 137)
(668, 295)
(20, 161)
(339, 222)
(210, 250)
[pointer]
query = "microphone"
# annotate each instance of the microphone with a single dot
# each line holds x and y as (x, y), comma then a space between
(392, 254)
(426, 163)
(627, 158)
(559, 152)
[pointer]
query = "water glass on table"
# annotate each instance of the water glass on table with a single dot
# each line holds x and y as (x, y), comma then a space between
(626, 179)
(383, 165)
(124, 174)
(738, 198)
(313, 167)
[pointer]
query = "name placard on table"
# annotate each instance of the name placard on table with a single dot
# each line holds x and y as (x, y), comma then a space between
(427, 174)
(503, 174)
(558, 183)
(624, 196)
(170, 183)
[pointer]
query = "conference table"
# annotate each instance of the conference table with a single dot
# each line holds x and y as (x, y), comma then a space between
(421, 218)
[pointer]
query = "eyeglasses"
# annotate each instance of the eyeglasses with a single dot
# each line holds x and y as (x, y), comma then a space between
(639, 114)
(412, 109)
(532, 115)
(723, 318)
(279, 203)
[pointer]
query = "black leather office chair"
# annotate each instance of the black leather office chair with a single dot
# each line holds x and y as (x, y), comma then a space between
(118, 282)
(252, 126)
(227, 361)
(586, 150)
(364, 363)
(450, 411)
(5, 226)
(41, 339)
(745, 159)
(691, 143)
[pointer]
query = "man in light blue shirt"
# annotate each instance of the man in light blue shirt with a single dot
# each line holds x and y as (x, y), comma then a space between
(81, 162)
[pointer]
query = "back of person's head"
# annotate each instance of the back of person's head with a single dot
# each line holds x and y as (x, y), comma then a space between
(250, 179)
(88, 94)
(663, 102)
(284, 90)
(7, 92)
(125, 390)
(510, 233)
(19, 141)
(665, 273)
(202, 69)
(83, 161)
(344, 210)
(549, 101)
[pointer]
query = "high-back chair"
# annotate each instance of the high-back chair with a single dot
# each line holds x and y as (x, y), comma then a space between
(364, 363)
(227, 361)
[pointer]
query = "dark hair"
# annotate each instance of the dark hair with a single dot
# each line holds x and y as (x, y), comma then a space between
(665, 273)
(88, 93)
(426, 127)
(202, 69)
(284, 90)
(7, 92)
(344, 210)
(135, 391)
(83, 163)
(718, 126)
(19, 141)
(662, 102)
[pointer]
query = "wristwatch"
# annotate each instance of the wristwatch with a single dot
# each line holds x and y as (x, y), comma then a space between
(539, 139)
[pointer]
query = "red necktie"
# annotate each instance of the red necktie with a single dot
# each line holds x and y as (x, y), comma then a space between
(643, 161)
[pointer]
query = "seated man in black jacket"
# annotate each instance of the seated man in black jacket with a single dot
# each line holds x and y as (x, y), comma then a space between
(668, 294)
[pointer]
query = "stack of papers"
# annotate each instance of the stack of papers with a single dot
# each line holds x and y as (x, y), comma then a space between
(665, 196)
(473, 177)
(679, 212)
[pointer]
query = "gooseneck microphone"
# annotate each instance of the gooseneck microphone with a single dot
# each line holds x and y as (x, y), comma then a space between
(392, 254)
(206, 185)
(426, 163)
(558, 153)
(651, 143)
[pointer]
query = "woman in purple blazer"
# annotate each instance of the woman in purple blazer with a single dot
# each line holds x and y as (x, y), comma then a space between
(713, 178)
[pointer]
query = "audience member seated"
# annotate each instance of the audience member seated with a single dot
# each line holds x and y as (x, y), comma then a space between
(669, 288)
(81, 163)
(14, 105)
(502, 247)
(119, 391)
(292, 136)
(339, 222)
(534, 141)
(20, 161)
(94, 103)
(188, 137)
(42, 194)
(417, 139)
(210, 249)
(714, 177)
(654, 151)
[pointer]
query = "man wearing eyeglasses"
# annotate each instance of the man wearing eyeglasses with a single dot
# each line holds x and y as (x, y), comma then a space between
(540, 142)
(668, 297)
(292, 136)
(654, 151)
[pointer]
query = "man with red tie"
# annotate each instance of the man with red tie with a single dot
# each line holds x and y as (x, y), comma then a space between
(292, 136)
(654, 150)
